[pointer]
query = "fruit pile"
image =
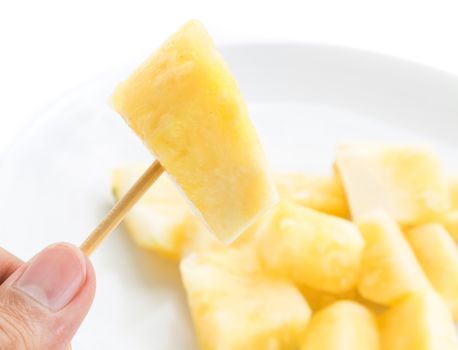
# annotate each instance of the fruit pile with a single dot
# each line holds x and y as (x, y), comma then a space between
(363, 259)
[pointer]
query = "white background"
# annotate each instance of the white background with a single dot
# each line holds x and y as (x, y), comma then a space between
(49, 46)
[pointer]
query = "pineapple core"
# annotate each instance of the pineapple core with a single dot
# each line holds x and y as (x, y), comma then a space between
(185, 105)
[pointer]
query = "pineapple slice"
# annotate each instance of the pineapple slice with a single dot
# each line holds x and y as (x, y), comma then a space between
(341, 326)
(161, 221)
(389, 267)
(185, 105)
(405, 182)
(311, 248)
(236, 306)
(450, 222)
(419, 321)
(438, 255)
(322, 193)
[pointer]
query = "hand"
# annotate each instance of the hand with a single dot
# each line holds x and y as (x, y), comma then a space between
(43, 302)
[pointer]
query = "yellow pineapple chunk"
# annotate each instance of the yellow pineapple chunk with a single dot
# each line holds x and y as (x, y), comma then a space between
(390, 269)
(237, 306)
(406, 182)
(450, 222)
(344, 325)
(419, 321)
(311, 248)
(438, 255)
(453, 184)
(161, 221)
(322, 193)
(185, 105)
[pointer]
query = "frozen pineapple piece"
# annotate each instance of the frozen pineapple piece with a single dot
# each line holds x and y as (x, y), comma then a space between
(344, 325)
(438, 255)
(185, 105)
(237, 306)
(419, 321)
(404, 181)
(311, 248)
(319, 192)
(161, 221)
(390, 269)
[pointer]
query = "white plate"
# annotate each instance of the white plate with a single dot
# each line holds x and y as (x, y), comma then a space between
(55, 179)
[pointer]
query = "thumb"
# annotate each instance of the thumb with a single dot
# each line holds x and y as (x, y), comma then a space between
(43, 302)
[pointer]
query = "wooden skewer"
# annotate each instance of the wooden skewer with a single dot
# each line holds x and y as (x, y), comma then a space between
(121, 208)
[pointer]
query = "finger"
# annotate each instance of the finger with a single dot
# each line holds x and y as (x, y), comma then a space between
(43, 303)
(8, 264)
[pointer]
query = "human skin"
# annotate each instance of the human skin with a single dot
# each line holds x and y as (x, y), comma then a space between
(44, 301)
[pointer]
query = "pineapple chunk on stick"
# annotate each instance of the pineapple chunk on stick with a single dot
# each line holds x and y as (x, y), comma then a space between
(185, 105)
(404, 181)
(322, 193)
(419, 321)
(438, 255)
(313, 249)
(390, 269)
(341, 326)
(161, 221)
(237, 306)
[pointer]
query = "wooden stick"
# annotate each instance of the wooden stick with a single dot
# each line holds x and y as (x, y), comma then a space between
(121, 208)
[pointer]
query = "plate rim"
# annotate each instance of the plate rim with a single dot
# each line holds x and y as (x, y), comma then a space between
(39, 114)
